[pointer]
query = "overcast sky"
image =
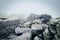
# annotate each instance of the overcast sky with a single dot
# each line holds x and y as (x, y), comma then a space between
(23, 8)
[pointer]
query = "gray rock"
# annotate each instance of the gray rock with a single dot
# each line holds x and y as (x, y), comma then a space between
(54, 21)
(7, 27)
(2, 18)
(24, 36)
(11, 36)
(45, 18)
(46, 34)
(4, 39)
(56, 37)
(58, 29)
(32, 17)
(37, 38)
(22, 30)
(27, 24)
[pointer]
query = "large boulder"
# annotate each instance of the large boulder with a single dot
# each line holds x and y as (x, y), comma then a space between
(19, 30)
(46, 34)
(37, 24)
(24, 36)
(54, 21)
(8, 26)
(45, 18)
(58, 29)
(32, 17)
(52, 25)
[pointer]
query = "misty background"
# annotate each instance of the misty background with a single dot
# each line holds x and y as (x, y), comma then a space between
(23, 8)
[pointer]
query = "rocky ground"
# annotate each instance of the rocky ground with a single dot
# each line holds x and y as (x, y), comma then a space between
(17, 29)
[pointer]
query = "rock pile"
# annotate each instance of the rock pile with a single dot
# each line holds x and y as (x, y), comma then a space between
(8, 27)
(17, 30)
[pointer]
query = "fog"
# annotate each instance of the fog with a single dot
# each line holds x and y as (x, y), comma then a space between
(23, 8)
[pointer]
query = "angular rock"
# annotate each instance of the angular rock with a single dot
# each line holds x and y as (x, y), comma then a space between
(24, 36)
(46, 34)
(11, 36)
(27, 24)
(37, 38)
(54, 21)
(37, 24)
(19, 30)
(32, 17)
(37, 21)
(45, 18)
(58, 29)
(7, 27)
